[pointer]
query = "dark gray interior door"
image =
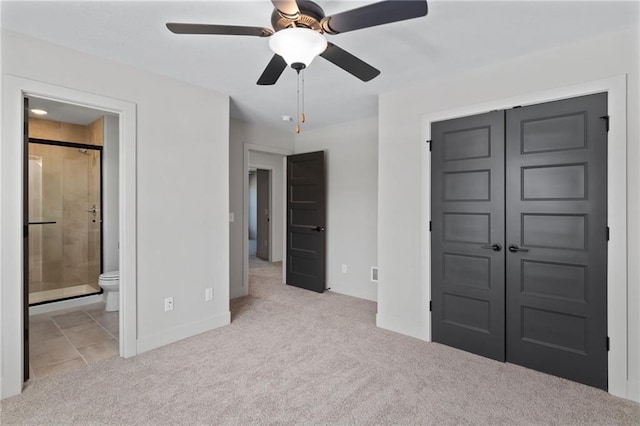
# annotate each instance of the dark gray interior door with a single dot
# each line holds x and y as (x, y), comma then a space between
(306, 221)
(557, 238)
(544, 294)
(263, 213)
(467, 238)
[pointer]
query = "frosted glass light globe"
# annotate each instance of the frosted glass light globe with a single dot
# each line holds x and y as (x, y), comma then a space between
(298, 45)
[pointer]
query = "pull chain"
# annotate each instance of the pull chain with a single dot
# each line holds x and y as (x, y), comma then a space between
(298, 104)
(303, 118)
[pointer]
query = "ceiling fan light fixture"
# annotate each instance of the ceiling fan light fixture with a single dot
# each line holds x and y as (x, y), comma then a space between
(298, 45)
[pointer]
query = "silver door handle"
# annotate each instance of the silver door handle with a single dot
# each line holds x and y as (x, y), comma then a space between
(494, 247)
(514, 249)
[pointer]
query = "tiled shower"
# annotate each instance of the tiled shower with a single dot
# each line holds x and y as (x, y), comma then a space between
(64, 221)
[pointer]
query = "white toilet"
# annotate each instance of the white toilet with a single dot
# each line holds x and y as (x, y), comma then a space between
(110, 283)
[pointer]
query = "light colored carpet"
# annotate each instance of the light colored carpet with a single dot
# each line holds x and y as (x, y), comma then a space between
(295, 357)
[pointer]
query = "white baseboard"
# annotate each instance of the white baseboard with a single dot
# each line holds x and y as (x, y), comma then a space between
(175, 334)
(238, 290)
(368, 291)
(401, 325)
(633, 390)
(65, 304)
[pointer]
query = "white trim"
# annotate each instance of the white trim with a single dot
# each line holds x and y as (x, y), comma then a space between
(616, 87)
(401, 325)
(245, 208)
(633, 390)
(184, 331)
(11, 209)
(65, 304)
(284, 225)
(365, 290)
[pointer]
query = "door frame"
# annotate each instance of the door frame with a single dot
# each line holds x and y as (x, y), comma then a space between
(616, 87)
(245, 206)
(11, 187)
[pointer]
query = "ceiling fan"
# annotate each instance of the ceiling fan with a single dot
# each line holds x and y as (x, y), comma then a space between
(298, 28)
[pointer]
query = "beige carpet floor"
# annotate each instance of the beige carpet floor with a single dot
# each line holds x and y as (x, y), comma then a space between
(295, 357)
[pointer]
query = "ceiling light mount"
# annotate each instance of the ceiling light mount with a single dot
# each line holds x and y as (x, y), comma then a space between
(309, 16)
(298, 66)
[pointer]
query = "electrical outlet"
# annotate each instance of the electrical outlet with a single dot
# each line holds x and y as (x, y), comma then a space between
(168, 304)
(208, 294)
(344, 268)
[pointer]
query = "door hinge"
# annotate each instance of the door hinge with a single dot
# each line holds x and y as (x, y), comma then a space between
(430, 145)
(430, 306)
(25, 231)
(606, 118)
(430, 226)
(608, 233)
(608, 344)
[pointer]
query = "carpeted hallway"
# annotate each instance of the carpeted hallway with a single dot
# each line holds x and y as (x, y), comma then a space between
(295, 357)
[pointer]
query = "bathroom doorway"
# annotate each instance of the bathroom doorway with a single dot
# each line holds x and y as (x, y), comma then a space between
(71, 235)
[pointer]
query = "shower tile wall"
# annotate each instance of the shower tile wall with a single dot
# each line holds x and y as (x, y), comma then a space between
(63, 185)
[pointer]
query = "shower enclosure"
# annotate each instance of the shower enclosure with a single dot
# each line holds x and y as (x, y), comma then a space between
(64, 220)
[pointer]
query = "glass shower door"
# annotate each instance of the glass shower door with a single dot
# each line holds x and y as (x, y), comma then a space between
(64, 221)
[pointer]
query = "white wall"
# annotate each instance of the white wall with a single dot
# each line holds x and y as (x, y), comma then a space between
(241, 133)
(182, 184)
(352, 200)
(401, 302)
(110, 213)
(273, 162)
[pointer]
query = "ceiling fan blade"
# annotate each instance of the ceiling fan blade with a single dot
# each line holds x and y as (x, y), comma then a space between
(287, 8)
(349, 63)
(272, 72)
(374, 14)
(178, 28)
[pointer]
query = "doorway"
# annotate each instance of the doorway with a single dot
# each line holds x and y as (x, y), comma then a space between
(71, 235)
(260, 195)
(272, 160)
(14, 308)
(520, 251)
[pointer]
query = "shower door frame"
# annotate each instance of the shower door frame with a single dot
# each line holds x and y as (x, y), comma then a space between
(26, 208)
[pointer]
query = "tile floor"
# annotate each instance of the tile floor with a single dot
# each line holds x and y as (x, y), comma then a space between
(70, 339)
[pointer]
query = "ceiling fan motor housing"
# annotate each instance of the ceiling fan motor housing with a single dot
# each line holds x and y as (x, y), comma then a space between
(310, 16)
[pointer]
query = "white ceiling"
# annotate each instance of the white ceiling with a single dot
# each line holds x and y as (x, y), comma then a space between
(455, 36)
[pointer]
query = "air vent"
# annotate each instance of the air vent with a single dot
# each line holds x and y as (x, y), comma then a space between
(374, 274)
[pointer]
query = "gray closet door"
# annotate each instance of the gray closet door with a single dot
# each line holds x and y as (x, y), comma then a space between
(467, 212)
(556, 208)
